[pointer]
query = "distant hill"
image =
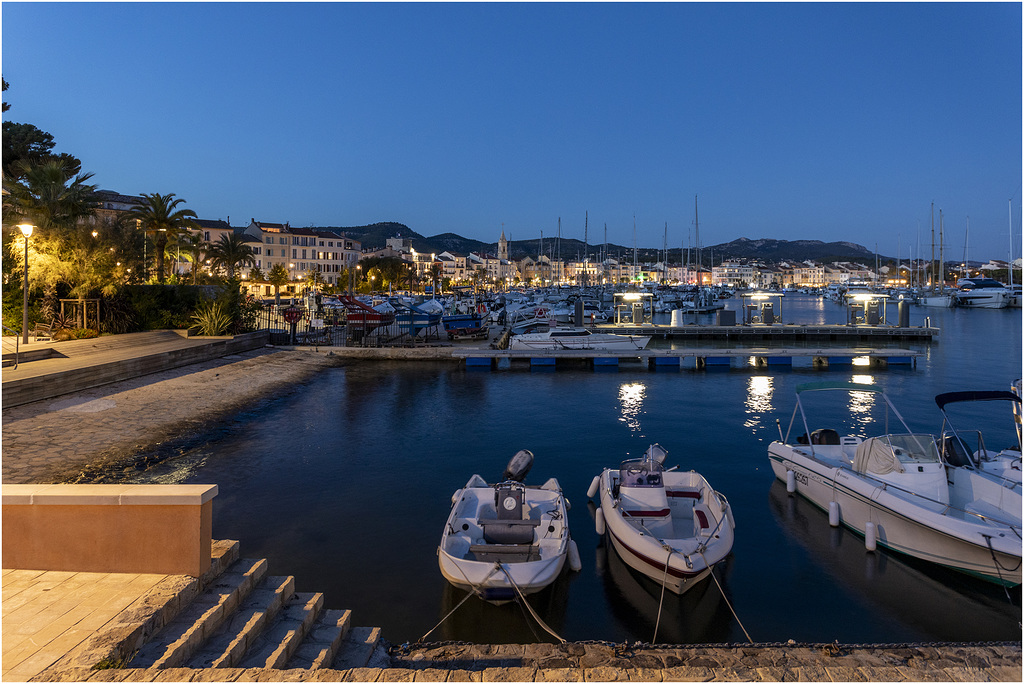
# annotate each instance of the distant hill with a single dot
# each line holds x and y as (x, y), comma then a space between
(769, 250)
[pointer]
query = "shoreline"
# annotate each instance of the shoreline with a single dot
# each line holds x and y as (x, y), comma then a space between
(73, 437)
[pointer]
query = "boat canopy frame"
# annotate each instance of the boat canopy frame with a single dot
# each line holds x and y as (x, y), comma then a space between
(838, 386)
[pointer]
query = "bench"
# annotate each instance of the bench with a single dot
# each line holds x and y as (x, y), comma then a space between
(505, 553)
(43, 331)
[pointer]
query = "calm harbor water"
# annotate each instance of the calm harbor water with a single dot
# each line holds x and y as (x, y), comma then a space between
(346, 484)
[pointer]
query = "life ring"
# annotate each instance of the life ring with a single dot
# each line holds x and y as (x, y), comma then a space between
(481, 308)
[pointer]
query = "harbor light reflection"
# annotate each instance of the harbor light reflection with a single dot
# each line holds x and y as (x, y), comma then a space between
(631, 403)
(861, 403)
(760, 390)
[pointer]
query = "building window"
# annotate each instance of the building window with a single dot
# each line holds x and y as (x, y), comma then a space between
(283, 241)
(295, 253)
(303, 251)
(269, 240)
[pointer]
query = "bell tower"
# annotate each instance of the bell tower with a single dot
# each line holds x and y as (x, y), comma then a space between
(503, 246)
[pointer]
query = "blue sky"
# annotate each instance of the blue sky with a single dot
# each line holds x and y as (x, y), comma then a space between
(790, 121)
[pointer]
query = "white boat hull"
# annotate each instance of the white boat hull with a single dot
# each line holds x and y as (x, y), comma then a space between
(689, 557)
(469, 561)
(559, 340)
(936, 301)
(906, 524)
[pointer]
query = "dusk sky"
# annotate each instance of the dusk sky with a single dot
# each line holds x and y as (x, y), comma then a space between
(790, 121)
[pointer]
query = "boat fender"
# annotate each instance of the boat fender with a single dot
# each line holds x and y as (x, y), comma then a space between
(592, 492)
(599, 522)
(870, 536)
(575, 564)
(568, 504)
(833, 513)
(790, 481)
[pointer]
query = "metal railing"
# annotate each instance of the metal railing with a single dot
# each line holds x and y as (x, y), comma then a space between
(330, 327)
(11, 340)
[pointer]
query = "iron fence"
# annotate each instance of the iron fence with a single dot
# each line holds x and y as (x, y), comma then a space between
(330, 327)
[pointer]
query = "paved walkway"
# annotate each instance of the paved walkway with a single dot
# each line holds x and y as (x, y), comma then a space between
(48, 614)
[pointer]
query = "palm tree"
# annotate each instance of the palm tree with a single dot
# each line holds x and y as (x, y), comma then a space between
(158, 214)
(49, 196)
(230, 252)
(193, 248)
(277, 277)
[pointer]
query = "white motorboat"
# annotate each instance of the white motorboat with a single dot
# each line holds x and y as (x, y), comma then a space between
(507, 540)
(967, 448)
(577, 338)
(982, 293)
(893, 490)
(669, 525)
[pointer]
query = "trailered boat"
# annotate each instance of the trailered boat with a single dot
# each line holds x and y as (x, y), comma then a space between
(893, 490)
(364, 316)
(577, 338)
(668, 525)
(507, 540)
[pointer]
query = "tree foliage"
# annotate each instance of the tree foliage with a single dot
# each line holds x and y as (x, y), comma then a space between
(230, 252)
(160, 216)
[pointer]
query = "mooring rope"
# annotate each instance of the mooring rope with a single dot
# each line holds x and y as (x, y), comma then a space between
(528, 606)
(661, 601)
(727, 602)
(476, 591)
(999, 566)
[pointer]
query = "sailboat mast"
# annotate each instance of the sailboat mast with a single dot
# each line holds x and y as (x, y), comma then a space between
(932, 279)
(586, 221)
(696, 239)
(1011, 243)
(942, 261)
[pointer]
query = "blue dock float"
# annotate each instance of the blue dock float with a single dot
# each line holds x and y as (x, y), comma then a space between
(479, 362)
(665, 362)
(606, 363)
(839, 360)
(778, 361)
(542, 361)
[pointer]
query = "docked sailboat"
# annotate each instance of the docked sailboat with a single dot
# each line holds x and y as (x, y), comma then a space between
(577, 338)
(670, 526)
(893, 490)
(507, 540)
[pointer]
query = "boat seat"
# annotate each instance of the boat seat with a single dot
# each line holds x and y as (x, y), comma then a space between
(685, 493)
(505, 553)
(702, 520)
(508, 531)
(825, 436)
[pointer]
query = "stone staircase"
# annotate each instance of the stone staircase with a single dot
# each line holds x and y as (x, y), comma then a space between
(246, 618)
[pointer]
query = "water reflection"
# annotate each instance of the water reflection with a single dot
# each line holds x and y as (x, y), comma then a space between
(631, 401)
(760, 389)
(933, 602)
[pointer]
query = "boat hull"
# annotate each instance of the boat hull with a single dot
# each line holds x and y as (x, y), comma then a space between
(921, 531)
(691, 558)
(498, 570)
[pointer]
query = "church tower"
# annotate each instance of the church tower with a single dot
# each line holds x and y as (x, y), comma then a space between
(503, 247)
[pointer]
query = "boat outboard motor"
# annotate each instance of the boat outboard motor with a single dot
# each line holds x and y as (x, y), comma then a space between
(519, 466)
(656, 453)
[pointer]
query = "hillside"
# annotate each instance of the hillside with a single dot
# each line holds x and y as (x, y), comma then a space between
(769, 250)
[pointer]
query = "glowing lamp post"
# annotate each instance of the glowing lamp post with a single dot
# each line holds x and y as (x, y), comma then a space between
(26, 230)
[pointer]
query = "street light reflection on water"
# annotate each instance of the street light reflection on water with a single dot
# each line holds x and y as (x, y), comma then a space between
(631, 402)
(760, 390)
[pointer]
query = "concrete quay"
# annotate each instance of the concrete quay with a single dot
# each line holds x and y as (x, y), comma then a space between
(94, 627)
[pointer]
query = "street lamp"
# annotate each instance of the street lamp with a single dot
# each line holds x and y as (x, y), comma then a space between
(26, 230)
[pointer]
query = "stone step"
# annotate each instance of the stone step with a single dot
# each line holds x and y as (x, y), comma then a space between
(227, 646)
(278, 643)
(223, 554)
(323, 642)
(178, 640)
(357, 648)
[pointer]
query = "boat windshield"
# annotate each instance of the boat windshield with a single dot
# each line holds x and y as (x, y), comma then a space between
(918, 448)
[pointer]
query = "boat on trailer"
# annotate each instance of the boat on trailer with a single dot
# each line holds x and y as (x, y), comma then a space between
(507, 540)
(671, 526)
(895, 491)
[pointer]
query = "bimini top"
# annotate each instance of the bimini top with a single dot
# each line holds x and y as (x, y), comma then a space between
(829, 385)
(979, 395)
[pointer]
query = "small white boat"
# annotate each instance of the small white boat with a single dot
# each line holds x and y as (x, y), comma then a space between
(669, 525)
(895, 491)
(967, 448)
(507, 540)
(577, 338)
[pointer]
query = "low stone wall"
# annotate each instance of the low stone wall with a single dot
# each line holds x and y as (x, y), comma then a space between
(153, 529)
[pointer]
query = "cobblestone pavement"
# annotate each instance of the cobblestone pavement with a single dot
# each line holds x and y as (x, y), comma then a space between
(57, 440)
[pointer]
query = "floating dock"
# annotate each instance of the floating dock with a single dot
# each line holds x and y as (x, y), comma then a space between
(702, 359)
(778, 332)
